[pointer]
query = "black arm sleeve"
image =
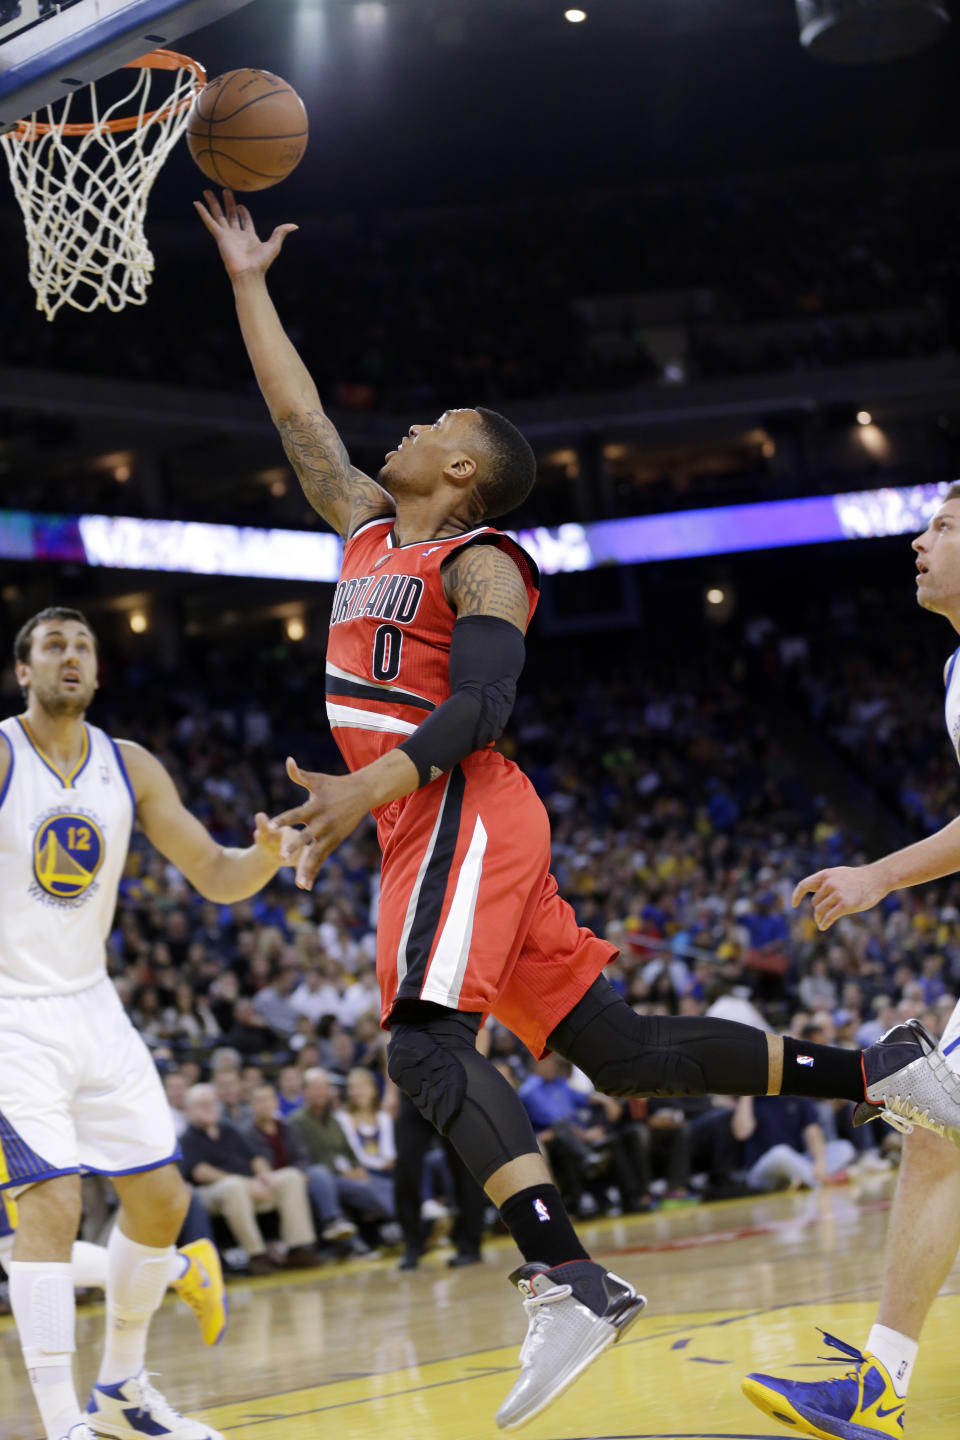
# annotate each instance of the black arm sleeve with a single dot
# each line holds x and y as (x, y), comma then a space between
(486, 659)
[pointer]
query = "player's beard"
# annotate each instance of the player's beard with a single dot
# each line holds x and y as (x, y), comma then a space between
(60, 706)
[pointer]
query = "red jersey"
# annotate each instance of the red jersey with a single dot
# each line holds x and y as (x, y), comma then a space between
(388, 655)
(469, 914)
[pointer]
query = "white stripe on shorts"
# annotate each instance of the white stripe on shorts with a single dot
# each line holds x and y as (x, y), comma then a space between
(349, 717)
(449, 964)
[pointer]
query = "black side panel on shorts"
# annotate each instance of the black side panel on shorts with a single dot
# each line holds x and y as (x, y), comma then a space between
(426, 920)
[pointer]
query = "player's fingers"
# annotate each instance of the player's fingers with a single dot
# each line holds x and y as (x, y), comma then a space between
(205, 216)
(806, 886)
(281, 233)
(832, 914)
(306, 778)
(289, 817)
(824, 906)
(230, 205)
(293, 844)
(308, 866)
(213, 204)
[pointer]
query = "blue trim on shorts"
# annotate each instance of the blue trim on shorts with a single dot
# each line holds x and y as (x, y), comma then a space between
(21, 1164)
(136, 1169)
(952, 1046)
(13, 758)
(21, 1182)
(123, 772)
(6, 1224)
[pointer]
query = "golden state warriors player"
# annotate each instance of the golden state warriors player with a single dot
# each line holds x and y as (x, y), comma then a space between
(923, 1236)
(194, 1274)
(78, 1090)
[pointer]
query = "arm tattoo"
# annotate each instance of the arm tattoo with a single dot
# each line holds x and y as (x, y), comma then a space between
(483, 580)
(339, 492)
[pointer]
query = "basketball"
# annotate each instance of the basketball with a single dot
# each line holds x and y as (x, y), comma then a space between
(247, 130)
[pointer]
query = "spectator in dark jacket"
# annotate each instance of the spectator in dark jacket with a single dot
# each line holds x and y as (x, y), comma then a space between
(238, 1184)
(248, 1034)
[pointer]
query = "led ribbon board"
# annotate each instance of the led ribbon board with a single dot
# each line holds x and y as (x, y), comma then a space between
(191, 548)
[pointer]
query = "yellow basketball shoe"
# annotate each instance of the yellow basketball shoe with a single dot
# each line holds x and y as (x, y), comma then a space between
(202, 1287)
(861, 1405)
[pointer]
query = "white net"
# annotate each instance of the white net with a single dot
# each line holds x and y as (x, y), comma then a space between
(83, 188)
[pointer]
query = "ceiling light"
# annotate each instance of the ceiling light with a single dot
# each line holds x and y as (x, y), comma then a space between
(295, 628)
(716, 596)
(864, 417)
(575, 16)
(138, 622)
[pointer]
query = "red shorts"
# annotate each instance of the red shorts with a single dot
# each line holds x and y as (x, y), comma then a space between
(470, 917)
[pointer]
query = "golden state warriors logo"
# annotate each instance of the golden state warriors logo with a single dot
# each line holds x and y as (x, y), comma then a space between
(67, 853)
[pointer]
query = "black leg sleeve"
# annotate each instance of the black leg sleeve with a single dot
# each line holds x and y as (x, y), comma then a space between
(628, 1054)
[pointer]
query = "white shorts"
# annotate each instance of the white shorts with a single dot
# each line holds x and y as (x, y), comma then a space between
(78, 1090)
(950, 1040)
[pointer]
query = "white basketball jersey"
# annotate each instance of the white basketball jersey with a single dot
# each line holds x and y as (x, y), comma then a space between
(952, 702)
(63, 845)
(950, 1039)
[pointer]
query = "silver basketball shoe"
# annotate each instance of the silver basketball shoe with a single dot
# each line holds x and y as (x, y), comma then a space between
(908, 1082)
(574, 1313)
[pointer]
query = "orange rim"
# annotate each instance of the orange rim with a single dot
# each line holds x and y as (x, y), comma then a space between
(156, 60)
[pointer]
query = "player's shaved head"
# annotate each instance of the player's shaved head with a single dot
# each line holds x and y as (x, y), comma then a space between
(508, 467)
(480, 455)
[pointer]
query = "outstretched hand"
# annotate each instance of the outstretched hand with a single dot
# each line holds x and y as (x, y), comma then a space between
(335, 806)
(231, 225)
(274, 840)
(842, 890)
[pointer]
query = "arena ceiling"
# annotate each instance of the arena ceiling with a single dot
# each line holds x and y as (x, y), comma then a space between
(426, 101)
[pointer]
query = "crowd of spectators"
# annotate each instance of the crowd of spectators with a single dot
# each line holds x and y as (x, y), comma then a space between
(680, 827)
(418, 307)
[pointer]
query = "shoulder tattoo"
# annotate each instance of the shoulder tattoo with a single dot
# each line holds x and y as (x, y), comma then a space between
(482, 580)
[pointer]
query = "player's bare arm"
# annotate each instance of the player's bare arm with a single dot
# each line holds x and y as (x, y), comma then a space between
(482, 583)
(219, 873)
(849, 889)
(337, 490)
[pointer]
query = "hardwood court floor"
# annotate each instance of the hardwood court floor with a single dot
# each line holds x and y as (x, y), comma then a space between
(364, 1353)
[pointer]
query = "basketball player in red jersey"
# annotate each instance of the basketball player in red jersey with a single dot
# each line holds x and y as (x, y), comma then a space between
(426, 647)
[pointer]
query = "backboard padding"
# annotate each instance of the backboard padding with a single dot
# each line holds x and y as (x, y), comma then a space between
(47, 59)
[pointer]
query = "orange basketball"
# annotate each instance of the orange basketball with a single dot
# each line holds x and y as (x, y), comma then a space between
(247, 129)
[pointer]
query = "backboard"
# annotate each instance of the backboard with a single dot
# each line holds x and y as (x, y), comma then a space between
(49, 49)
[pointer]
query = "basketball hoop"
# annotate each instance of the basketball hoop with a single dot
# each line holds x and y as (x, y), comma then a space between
(83, 185)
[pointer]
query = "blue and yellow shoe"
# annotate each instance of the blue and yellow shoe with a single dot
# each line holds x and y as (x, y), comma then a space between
(861, 1405)
(202, 1287)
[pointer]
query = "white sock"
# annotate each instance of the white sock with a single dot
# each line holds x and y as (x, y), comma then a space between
(41, 1296)
(88, 1265)
(897, 1354)
(137, 1277)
